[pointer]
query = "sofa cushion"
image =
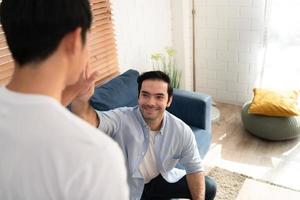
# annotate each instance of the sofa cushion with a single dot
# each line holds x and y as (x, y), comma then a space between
(118, 92)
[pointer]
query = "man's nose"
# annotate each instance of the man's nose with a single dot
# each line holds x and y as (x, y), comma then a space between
(151, 101)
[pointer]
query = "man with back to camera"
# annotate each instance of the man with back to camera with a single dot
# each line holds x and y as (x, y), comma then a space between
(153, 142)
(46, 152)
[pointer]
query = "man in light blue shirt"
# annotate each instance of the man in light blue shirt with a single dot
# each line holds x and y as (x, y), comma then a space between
(153, 142)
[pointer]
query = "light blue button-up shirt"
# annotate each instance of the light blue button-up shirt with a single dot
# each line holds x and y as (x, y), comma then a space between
(174, 144)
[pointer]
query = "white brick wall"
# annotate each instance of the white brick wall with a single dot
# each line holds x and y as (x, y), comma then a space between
(229, 36)
(142, 28)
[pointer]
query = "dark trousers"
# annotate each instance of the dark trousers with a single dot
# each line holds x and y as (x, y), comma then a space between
(159, 189)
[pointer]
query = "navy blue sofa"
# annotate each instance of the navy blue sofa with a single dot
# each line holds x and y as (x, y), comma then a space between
(191, 107)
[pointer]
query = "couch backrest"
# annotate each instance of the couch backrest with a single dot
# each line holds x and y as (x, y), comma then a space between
(118, 92)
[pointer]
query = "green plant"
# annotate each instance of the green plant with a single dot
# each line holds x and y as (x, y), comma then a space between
(166, 63)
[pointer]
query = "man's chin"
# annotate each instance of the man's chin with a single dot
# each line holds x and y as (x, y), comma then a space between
(150, 116)
(149, 119)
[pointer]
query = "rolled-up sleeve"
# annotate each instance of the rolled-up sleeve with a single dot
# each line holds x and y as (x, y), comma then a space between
(190, 157)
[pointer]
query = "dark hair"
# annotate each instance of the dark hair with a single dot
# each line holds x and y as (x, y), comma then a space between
(155, 75)
(34, 28)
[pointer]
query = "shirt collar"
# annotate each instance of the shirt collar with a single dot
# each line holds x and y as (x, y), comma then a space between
(144, 124)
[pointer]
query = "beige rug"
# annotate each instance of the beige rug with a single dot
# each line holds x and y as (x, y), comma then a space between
(229, 183)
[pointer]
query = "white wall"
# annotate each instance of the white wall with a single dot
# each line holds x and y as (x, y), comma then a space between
(182, 40)
(229, 40)
(229, 45)
(142, 28)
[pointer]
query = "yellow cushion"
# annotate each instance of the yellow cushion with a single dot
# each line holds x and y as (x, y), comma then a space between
(281, 103)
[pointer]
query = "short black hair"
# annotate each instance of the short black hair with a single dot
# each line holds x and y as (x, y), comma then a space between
(34, 28)
(155, 75)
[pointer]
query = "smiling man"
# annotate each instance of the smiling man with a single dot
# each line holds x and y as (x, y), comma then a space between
(154, 142)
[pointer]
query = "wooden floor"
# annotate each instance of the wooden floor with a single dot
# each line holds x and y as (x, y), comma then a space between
(233, 148)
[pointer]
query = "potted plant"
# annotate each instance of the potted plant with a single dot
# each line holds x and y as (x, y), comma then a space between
(166, 63)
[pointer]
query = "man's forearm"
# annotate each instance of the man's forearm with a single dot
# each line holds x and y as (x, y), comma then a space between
(85, 111)
(196, 183)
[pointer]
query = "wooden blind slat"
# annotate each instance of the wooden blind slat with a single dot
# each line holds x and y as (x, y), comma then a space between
(101, 17)
(101, 38)
(103, 71)
(6, 66)
(99, 5)
(103, 35)
(103, 57)
(104, 68)
(4, 81)
(4, 52)
(97, 1)
(99, 63)
(101, 11)
(107, 75)
(3, 44)
(102, 45)
(6, 74)
(101, 24)
(98, 52)
(5, 59)
(102, 30)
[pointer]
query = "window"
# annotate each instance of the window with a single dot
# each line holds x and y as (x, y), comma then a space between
(103, 53)
(282, 61)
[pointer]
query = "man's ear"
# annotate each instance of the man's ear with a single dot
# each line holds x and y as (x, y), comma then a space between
(72, 41)
(170, 101)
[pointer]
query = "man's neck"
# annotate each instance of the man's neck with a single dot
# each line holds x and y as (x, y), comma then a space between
(155, 125)
(41, 79)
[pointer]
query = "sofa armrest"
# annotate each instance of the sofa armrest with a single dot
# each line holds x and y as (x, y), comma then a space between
(193, 108)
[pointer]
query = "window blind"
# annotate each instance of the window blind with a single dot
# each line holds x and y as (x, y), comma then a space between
(6, 61)
(103, 52)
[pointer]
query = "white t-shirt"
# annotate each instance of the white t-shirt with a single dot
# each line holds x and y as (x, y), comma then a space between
(148, 167)
(46, 152)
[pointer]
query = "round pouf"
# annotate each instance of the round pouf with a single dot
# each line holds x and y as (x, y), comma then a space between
(270, 128)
